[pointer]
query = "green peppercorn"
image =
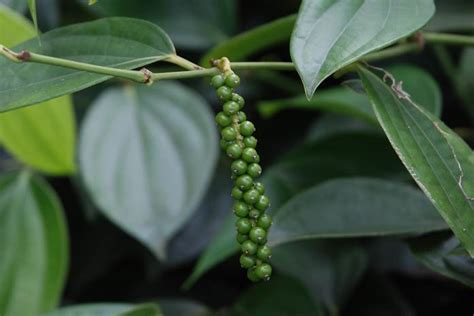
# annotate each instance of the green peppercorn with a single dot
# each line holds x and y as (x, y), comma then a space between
(254, 170)
(234, 151)
(250, 155)
(229, 133)
(252, 275)
(239, 100)
(217, 81)
(237, 193)
(257, 234)
(230, 108)
(263, 271)
(241, 209)
(264, 221)
(254, 213)
(223, 120)
(224, 144)
(232, 80)
(249, 247)
(251, 196)
(260, 187)
(250, 142)
(262, 203)
(264, 253)
(239, 167)
(241, 116)
(243, 226)
(247, 261)
(246, 128)
(241, 238)
(244, 182)
(224, 93)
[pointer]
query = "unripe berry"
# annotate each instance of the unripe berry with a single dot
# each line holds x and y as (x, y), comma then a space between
(217, 81)
(246, 128)
(258, 235)
(244, 182)
(250, 142)
(230, 108)
(223, 120)
(251, 196)
(241, 116)
(225, 144)
(254, 213)
(237, 98)
(243, 225)
(252, 276)
(254, 170)
(234, 151)
(241, 238)
(264, 221)
(263, 271)
(249, 247)
(229, 133)
(260, 187)
(224, 93)
(250, 155)
(262, 203)
(237, 193)
(239, 167)
(232, 81)
(241, 209)
(264, 253)
(247, 261)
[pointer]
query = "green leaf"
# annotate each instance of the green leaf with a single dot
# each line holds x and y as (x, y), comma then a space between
(114, 42)
(194, 24)
(16, 5)
(452, 15)
(343, 155)
(43, 136)
(34, 243)
(331, 34)
(248, 43)
(416, 81)
(108, 309)
(280, 297)
(440, 162)
(181, 307)
(146, 156)
(354, 207)
(330, 270)
(92, 2)
(439, 253)
(32, 8)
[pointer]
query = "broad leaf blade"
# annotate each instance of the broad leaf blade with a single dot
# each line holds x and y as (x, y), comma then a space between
(114, 42)
(108, 309)
(354, 207)
(331, 34)
(43, 136)
(439, 161)
(35, 246)
(250, 42)
(147, 156)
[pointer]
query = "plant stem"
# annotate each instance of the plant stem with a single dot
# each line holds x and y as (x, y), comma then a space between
(183, 63)
(451, 39)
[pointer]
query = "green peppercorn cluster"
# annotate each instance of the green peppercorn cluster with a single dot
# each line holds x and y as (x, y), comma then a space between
(251, 202)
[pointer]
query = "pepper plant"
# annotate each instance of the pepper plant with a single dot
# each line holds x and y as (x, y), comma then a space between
(113, 188)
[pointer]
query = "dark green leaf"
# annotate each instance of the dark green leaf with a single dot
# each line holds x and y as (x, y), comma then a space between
(440, 161)
(147, 156)
(108, 309)
(115, 42)
(43, 136)
(180, 307)
(452, 15)
(32, 8)
(192, 24)
(280, 297)
(417, 82)
(250, 42)
(354, 207)
(34, 244)
(329, 269)
(440, 253)
(331, 34)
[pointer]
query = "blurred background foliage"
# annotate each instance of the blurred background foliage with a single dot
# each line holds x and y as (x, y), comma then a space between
(310, 150)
